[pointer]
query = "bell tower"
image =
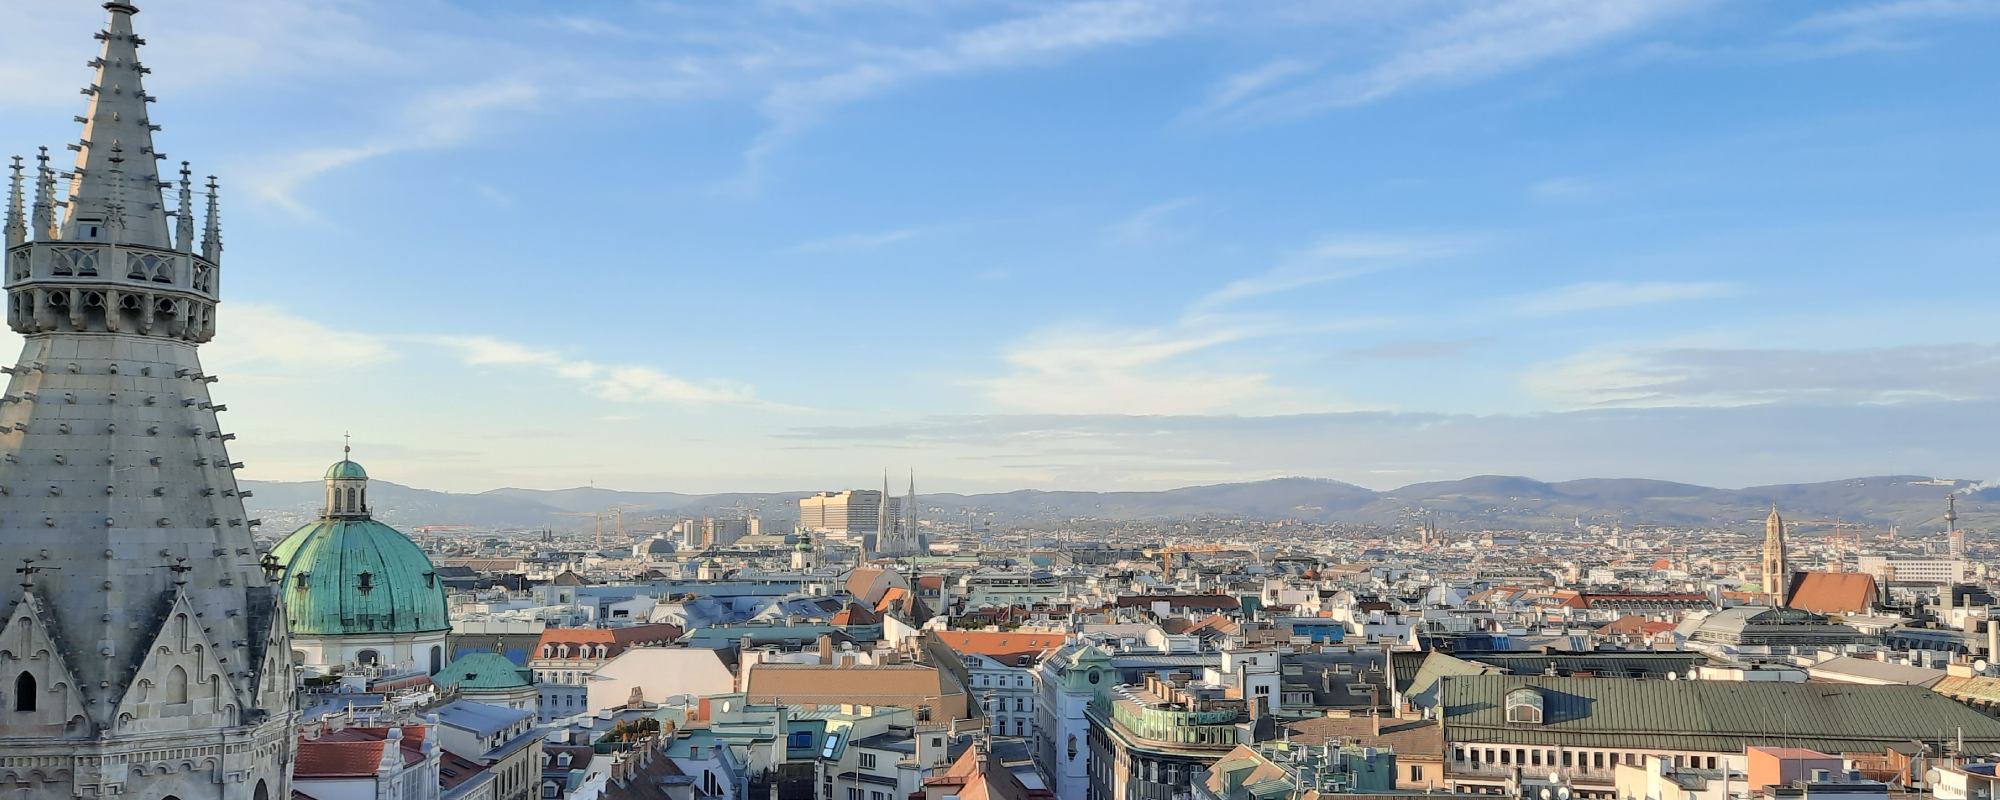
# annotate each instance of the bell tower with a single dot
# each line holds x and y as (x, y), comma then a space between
(1776, 573)
(142, 652)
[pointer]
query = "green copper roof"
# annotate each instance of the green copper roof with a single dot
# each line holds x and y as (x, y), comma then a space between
(345, 469)
(327, 564)
(482, 671)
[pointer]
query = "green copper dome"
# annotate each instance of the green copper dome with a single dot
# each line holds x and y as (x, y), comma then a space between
(477, 671)
(346, 470)
(358, 576)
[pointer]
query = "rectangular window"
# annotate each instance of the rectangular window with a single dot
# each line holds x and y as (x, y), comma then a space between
(1416, 773)
(867, 760)
(1566, 758)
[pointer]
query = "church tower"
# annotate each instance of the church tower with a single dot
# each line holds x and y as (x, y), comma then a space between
(1776, 574)
(142, 652)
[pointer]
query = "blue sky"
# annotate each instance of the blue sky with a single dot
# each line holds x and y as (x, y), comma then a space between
(785, 244)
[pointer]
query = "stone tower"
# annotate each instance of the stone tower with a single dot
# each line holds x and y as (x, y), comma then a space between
(142, 653)
(1776, 575)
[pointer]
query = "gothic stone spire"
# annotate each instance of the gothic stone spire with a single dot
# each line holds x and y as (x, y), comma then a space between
(117, 119)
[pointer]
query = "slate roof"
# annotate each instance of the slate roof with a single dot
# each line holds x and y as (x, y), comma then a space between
(479, 718)
(1604, 664)
(1715, 716)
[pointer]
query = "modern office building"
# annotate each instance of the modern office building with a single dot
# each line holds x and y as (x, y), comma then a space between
(855, 512)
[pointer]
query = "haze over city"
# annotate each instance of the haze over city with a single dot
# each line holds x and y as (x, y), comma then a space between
(1094, 245)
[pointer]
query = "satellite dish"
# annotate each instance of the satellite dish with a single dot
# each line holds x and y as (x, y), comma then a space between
(1555, 777)
(1562, 793)
(1980, 665)
(1546, 794)
(1673, 676)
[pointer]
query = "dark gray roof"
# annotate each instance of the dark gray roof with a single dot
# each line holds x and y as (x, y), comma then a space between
(1717, 716)
(1609, 664)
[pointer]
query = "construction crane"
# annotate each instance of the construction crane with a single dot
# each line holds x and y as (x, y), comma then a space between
(615, 513)
(1840, 539)
(596, 521)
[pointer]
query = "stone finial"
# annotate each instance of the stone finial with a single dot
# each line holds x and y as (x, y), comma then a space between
(211, 233)
(45, 197)
(17, 226)
(184, 213)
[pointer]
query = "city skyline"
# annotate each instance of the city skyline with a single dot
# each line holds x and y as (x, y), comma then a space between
(1100, 245)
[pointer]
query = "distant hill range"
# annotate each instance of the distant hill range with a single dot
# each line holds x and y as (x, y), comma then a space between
(1488, 501)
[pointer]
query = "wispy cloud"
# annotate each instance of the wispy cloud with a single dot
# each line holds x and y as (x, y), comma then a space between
(1147, 225)
(855, 241)
(625, 383)
(1096, 370)
(440, 120)
(1778, 443)
(1729, 377)
(1049, 33)
(261, 338)
(1899, 12)
(1335, 258)
(1481, 42)
(1599, 295)
(1416, 349)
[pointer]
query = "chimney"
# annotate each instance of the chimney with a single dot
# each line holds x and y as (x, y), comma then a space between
(1375, 710)
(825, 649)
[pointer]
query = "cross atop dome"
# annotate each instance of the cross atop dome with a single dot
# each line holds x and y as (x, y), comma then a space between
(346, 486)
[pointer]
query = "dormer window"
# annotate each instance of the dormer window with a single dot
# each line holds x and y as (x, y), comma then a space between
(1524, 706)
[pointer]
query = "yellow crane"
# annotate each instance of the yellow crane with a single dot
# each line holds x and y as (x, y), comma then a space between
(615, 513)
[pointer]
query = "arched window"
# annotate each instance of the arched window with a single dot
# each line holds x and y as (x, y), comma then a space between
(175, 689)
(437, 659)
(24, 692)
(352, 506)
(1524, 705)
(367, 657)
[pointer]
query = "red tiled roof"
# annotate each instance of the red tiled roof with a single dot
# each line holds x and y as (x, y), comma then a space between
(353, 752)
(454, 769)
(1000, 645)
(1833, 592)
(855, 614)
(615, 640)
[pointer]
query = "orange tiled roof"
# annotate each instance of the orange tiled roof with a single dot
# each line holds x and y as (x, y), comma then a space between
(1000, 645)
(615, 640)
(1833, 592)
(353, 752)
